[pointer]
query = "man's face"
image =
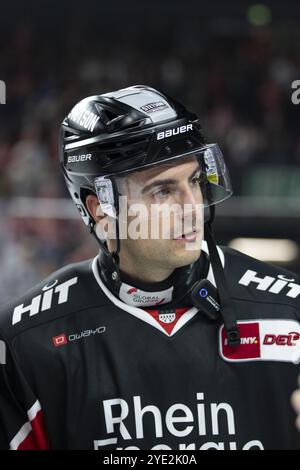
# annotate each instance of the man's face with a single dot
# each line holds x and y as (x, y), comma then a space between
(162, 224)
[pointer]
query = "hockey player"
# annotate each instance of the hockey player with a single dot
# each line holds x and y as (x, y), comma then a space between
(162, 341)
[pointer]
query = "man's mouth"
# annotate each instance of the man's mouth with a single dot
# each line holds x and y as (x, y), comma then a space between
(188, 237)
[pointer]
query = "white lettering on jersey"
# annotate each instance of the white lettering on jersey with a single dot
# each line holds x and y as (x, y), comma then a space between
(271, 284)
(249, 340)
(179, 420)
(2, 92)
(118, 420)
(44, 301)
(140, 298)
(175, 131)
(2, 352)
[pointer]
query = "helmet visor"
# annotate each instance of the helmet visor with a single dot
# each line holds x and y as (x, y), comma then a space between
(196, 177)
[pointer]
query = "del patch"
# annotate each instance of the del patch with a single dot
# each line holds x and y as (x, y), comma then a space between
(263, 340)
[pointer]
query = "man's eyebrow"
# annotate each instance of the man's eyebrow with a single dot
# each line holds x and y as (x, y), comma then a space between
(167, 181)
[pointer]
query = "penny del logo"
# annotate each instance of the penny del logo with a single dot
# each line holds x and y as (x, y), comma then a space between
(263, 340)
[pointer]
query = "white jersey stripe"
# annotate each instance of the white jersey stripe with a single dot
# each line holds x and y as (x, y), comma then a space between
(26, 428)
(20, 436)
(36, 407)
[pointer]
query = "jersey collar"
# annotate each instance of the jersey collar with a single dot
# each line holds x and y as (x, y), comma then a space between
(143, 315)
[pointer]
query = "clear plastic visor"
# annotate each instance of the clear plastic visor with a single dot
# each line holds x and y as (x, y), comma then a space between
(195, 178)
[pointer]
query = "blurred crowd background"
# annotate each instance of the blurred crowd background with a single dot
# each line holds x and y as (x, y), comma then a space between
(233, 63)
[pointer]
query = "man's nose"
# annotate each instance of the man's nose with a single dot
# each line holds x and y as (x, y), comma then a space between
(188, 196)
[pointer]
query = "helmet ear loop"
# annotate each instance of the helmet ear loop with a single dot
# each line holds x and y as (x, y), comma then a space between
(209, 209)
(115, 254)
(91, 227)
(211, 215)
(103, 244)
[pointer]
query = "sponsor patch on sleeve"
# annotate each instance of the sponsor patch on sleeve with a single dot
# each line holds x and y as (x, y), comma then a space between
(263, 340)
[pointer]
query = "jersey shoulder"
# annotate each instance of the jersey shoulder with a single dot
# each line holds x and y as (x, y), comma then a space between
(66, 291)
(254, 280)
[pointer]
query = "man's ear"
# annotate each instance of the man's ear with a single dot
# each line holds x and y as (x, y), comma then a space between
(102, 222)
(94, 208)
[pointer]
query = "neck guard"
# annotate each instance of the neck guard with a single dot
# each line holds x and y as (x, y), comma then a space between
(173, 291)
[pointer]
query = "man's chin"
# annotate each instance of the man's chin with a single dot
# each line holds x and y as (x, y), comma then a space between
(183, 246)
(184, 257)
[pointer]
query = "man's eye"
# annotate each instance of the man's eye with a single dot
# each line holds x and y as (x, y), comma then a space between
(163, 192)
(196, 180)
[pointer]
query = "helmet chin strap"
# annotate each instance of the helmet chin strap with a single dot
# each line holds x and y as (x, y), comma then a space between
(115, 254)
(227, 306)
(112, 259)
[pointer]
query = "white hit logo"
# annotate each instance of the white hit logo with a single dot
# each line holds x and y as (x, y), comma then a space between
(43, 302)
(267, 283)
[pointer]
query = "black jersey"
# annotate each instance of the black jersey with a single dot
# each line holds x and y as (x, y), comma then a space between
(81, 369)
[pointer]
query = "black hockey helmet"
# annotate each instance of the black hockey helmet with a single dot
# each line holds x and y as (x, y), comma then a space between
(130, 129)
